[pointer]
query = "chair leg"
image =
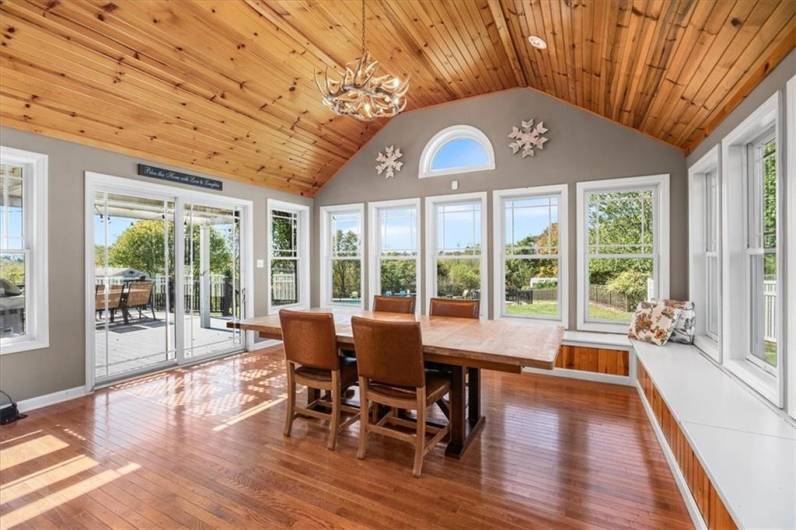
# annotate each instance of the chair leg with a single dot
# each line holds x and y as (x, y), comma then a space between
(363, 417)
(335, 422)
(291, 399)
(420, 441)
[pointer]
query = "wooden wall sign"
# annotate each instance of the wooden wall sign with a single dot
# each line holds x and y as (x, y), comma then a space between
(182, 178)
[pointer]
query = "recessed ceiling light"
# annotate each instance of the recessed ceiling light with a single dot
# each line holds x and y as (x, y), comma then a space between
(537, 42)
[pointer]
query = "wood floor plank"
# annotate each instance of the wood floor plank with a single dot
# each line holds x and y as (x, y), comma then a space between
(202, 447)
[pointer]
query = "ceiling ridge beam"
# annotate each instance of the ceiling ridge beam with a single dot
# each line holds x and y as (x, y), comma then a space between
(496, 8)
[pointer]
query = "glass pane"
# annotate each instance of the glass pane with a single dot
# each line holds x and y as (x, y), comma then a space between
(345, 233)
(532, 287)
(398, 231)
(459, 278)
(346, 274)
(616, 286)
(284, 234)
(620, 222)
(398, 277)
(134, 286)
(712, 300)
(763, 274)
(11, 208)
(459, 228)
(284, 282)
(460, 153)
(531, 226)
(12, 294)
(711, 212)
(212, 279)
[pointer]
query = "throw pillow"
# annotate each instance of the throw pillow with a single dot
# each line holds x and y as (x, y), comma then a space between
(653, 322)
(684, 328)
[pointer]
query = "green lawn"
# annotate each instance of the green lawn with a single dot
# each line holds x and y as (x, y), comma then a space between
(603, 312)
(547, 308)
(770, 352)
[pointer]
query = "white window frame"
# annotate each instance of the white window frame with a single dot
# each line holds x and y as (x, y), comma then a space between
(660, 183)
(374, 247)
(302, 259)
(35, 181)
(446, 135)
(736, 315)
(789, 306)
(431, 244)
(326, 257)
(498, 248)
(698, 252)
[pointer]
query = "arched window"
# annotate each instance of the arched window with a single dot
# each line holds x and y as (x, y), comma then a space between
(456, 149)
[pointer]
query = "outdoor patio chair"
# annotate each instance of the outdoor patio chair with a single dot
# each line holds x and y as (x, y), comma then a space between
(138, 296)
(114, 299)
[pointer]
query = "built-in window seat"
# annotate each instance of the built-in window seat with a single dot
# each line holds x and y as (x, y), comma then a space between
(736, 454)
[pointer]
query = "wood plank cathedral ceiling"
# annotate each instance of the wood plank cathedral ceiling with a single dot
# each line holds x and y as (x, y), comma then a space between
(225, 86)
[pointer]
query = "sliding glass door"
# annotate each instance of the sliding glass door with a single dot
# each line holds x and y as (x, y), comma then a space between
(212, 279)
(167, 276)
(134, 284)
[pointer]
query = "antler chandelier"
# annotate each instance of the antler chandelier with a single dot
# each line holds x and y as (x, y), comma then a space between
(358, 92)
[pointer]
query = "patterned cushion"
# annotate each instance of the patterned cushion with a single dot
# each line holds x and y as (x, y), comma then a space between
(653, 322)
(684, 327)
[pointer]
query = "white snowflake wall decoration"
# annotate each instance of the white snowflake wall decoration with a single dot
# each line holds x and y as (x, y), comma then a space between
(389, 161)
(528, 138)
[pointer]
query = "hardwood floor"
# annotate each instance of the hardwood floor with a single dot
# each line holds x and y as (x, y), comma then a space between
(203, 447)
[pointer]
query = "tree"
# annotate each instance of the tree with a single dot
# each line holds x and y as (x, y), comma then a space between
(398, 276)
(141, 247)
(346, 272)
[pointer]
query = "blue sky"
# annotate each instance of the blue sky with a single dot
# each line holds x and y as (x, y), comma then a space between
(458, 153)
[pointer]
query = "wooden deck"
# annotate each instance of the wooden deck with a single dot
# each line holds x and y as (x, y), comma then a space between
(203, 447)
(142, 342)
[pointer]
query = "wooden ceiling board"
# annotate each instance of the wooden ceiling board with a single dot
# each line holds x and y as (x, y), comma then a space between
(226, 86)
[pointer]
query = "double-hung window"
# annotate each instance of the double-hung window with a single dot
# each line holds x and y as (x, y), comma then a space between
(705, 250)
(761, 251)
(23, 251)
(456, 263)
(341, 251)
(394, 248)
(530, 245)
(752, 264)
(623, 249)
(288, 254)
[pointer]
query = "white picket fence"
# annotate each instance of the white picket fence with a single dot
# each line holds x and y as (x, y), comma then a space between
(770, 310)
(284, 287)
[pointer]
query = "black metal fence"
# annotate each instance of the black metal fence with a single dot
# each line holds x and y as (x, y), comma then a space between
(529, 296)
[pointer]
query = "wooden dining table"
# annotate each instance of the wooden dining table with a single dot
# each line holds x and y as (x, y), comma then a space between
(462, 346)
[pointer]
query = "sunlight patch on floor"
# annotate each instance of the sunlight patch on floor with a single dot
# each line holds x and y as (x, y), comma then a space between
(248, 413)
(45, 477)
(29, 450)
(53, 500)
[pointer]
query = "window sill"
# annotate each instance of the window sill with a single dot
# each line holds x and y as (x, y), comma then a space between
(23, 345)
(602, 327)
(764, 384)
(597, 340)
(708, 346)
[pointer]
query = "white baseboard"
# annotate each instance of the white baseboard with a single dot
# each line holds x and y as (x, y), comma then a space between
(582, 375)
(38, 402)
(682, 485)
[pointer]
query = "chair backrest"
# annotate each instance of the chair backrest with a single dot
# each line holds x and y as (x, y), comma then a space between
(447, 307)
(394, 304)
(138, 292)
(310, 339)
(114, 297)
(389, 352)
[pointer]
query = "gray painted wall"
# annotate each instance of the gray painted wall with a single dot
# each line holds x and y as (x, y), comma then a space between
(582, 146)
(62, 365)
(776, 80)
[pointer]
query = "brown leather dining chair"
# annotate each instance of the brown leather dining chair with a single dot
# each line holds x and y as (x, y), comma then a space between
(394, 304)
(391, 373)
(310, 344)
(448, 307)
